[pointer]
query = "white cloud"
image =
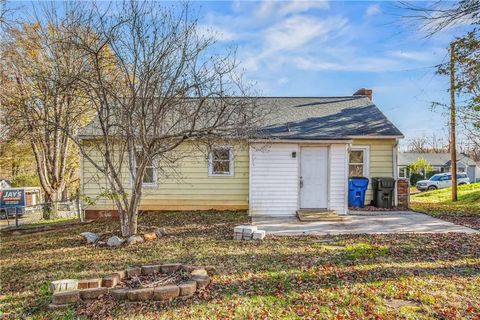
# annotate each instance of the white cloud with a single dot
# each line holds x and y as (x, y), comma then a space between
(373, 9)
(413, 55)
(297, 31)
(270, 8)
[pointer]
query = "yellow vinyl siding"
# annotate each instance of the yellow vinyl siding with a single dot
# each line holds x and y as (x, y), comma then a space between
(187, 187)
(380, 161)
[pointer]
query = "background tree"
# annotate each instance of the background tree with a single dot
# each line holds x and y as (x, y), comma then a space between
(156, 82)
(41, 99)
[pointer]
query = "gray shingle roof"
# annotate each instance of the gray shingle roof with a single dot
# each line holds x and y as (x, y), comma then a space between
(435, 159)
(316, 118)
(325, 118)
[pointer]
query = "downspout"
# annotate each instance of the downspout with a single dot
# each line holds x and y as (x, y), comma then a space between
(347, 160)
(395, 169)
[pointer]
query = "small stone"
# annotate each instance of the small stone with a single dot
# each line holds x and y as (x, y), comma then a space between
(119, 293)
(111, 281)
(66, 297)
(202, 281)
(131, 272)
(150, 269)
(199, 272)
(170, 268)
(64, 285)
(160, 232)
(115, 241)
(188, 288)
(150, 236)
(89, 283)
(259, 235)
(140, 294)
(134, 240)
(166, 292)
(93, 293)
(90, 237)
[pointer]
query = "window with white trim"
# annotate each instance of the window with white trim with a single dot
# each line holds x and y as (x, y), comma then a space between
(358, 162)
(221, 161)
(150, 176)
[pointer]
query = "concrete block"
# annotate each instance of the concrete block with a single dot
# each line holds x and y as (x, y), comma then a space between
(259, 235)
(119, 294)
(238, 229)
(93, 293)
(134, 272)
(237, 236)
(140, 294)
(64, 285)
(150, 269)
(249, 229)
(188, 288)
(67, 297)
(89, 283)
(170, 268)
(166, 292)
(111, 281)
(247, 236)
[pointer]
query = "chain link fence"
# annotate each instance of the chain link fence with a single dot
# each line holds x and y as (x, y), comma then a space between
(42, 213)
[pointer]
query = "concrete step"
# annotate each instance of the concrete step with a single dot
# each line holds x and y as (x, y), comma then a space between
(318, 215)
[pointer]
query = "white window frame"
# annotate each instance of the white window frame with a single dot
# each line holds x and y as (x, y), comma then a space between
(366, 159)
(231, 162)
(148, 185)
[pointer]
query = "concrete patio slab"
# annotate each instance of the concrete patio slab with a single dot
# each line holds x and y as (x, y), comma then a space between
(360, 222)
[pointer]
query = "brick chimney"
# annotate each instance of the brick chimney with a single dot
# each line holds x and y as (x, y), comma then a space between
(364, 92)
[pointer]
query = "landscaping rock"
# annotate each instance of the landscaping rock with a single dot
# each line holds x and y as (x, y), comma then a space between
(134, 240)
(111, 281)
(140, 294)
(160, 232)
(134, 272)
(166, 292)
(259, 235)
(90, 236)
(89, 283)
(188, 288)
(93, 293)
(150, 236)
(115, 241)
(101, 244)
(119, 293)
(199, 272)
(64, 285)
(150, 269)
(170, 268)
(67, 297)
(202, 281)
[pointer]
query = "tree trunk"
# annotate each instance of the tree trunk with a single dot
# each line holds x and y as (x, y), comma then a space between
(51, 204)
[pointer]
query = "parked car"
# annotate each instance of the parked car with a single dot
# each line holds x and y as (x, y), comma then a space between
(441, 180)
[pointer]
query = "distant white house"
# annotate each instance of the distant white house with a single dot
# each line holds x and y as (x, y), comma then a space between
(440, 162)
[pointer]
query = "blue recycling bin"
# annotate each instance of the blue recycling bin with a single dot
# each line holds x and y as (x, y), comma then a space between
(357, 186)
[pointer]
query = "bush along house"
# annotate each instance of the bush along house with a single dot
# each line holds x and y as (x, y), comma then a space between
(309, 149)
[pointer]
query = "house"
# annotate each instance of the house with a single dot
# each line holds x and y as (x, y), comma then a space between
(310, 147)
(440, 162)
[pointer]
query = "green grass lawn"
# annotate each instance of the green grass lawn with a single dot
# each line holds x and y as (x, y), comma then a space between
(438, 203)
(330, 277)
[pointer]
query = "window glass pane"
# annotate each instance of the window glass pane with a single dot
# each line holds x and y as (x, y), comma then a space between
(149, 176)
(356, 156)
(221, 167)
(355, 170)
(221, 154)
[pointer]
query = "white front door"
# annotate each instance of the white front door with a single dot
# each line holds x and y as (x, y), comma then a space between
(313, 177)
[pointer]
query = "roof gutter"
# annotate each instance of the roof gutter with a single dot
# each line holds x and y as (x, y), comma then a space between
(378, 137)
(301, 141)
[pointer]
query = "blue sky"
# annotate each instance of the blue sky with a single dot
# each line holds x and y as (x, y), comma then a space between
(334, 48)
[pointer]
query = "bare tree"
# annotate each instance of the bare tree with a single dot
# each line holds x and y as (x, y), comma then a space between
(156, 83)
(438, 15)
(427, 144)
(41, 100)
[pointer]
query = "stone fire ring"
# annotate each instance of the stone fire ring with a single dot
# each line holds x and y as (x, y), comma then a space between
(69, 291)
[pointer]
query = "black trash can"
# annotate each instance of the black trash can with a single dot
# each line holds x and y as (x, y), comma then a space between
(383, 189)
